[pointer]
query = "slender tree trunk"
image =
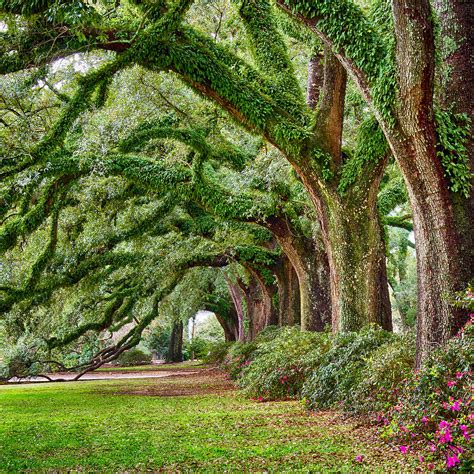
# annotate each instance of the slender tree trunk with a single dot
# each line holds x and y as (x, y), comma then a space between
(236, 295)
(175, 353)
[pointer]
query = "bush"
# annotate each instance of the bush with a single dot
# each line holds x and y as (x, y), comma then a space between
(217, 353)
(341, 368)
(281, 365)
(239, 356)
(20, 361)
(384, 371)
(133, 357)
(434, 409)
(198, 347)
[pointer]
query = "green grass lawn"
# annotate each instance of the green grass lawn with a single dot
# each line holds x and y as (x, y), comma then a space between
(187, 423)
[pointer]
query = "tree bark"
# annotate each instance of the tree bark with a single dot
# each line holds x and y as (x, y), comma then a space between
(236, 295)
(315, 79)
(288, 293)
(309, 261)
(356, 253)
(267, 291)
(175, 353)
(414, 145)
(456, 93)
(228, 324)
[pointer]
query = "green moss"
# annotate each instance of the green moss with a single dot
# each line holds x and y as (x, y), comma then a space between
(370, 149)
(453, 132)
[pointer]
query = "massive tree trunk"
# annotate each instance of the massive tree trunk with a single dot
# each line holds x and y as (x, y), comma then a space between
(356, 252)
(288, 293)
(268, 291)
(414, 143)
(175, 352)
(309, 261)
(261, 311)
(349, 219)
(254, 308)
(456, 93)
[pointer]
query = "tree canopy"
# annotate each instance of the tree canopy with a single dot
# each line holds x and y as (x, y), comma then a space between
(269, 155)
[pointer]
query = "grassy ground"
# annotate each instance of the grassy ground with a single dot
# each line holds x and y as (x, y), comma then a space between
(188, 422)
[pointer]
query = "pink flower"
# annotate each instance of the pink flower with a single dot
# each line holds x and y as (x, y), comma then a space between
(465, 432)
(422, 459)
(451, 383)
(444, 424)
(455, 406)
(451, 461)
(260, 399)
(432, 448)
(459, 375)
(424, 420)
(445, 437)
(359, 458)
(403, 449)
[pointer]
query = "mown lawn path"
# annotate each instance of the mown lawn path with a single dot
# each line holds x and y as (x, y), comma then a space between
(192, 421)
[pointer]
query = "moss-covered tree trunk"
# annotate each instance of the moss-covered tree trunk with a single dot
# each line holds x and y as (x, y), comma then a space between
(440, 265)
(288, 293)
(175, 352)
(456, 74)
(267, 291)
(310, 264)
(356, 251)
(407, 119)
(260, 310)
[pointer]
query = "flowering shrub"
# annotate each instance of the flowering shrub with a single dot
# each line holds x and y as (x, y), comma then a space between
(428, 412)
(433, 413)
(341, 368)
(280, 366)
(239, 356)
(465, 299)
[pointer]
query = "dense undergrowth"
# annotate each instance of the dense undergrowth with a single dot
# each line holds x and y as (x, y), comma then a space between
(426, 413)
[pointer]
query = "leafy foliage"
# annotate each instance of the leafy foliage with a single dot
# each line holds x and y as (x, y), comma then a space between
(280, 366)
(341, 367)
(433, 411)
(133, 357)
